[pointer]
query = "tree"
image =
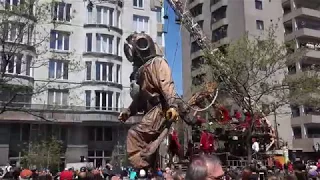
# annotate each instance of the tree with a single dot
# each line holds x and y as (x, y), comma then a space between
(253, 73)
(43, 154)
(27, 30)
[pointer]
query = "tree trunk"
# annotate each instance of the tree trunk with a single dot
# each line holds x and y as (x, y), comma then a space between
(249, 149)
(248, 144)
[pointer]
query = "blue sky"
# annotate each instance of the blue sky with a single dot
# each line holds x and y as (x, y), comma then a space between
(173, 47)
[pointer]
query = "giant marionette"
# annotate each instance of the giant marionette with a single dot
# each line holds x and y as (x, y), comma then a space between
(152, 92)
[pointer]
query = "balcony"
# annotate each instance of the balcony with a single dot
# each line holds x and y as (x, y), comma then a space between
(303, 33)
(313, 4)
(306, 144)
(302, 13)
(217, 4)
(220, 23)
(68, 114)
(195, 3)
(305, 119)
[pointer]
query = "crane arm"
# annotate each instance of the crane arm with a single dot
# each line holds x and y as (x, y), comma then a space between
(193, 27)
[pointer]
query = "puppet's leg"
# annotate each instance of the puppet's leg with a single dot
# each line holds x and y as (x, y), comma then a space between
(140, 135)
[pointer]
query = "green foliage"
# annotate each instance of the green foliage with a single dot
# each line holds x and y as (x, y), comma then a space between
(43, 154)
(254, 71)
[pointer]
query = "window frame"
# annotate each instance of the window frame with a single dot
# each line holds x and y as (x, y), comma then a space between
(89, 37)
(61, 93)
(64, 76)
(109, 38)
(102, 66)
(258, 4)
(259, 23)
(138, 6)
(104, 10)
(63, 34)
(107, 107)
(145, 20)
(16, 61)
(56, 9)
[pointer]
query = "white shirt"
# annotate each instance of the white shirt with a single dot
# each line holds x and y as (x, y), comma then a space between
(255, 147)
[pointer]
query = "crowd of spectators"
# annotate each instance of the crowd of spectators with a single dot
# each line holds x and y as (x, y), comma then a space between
(202, 167)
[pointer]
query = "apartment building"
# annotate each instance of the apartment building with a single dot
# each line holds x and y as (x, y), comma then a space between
(80, 107)
(229, 20)
(301, 21)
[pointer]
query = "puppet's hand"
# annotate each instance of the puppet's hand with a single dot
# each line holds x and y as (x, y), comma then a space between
(172, 114)
(124, 116)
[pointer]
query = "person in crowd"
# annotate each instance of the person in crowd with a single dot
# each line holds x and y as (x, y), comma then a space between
(204, 167)
(67, 174)
(177, 175)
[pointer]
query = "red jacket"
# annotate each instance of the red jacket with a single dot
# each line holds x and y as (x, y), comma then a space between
(206, 141)
(174, 145)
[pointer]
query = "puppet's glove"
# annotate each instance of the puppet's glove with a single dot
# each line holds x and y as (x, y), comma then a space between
(172, 114)
(124, 116)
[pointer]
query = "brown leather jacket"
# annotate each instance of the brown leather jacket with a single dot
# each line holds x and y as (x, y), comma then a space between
(156, 86)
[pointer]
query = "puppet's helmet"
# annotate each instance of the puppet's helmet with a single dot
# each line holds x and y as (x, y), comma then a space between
(139, 48)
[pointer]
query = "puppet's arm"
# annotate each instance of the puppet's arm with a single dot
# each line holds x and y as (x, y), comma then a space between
(165, 83)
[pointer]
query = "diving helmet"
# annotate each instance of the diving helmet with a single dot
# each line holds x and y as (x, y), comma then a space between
(139, 48)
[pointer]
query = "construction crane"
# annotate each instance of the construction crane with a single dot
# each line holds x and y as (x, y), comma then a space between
(193, 27)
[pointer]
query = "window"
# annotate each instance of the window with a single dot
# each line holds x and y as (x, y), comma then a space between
(118, 19)
(58, 69)
(141, 23)
(103, 100)
(104, 43)
(15, 32)
(100, 157)
(28, 65)
(260, 25)
(297, 132)
(9, 4)
(159, 38)
(11, 63)
(104, 71)
(117, 101)
(58, 97)
(220, 33)
(13, 4)
(61, 11)
(118, 47)
(118, 73)
(88, 99)
(258, 4)
(100, 134)
(59, 40)
(213, 2)
(89, 15)
(138, 3)
(159, 15)
(200, 23)
(197, 10)
(105, 15)
(219, 14)
(197, 62)
(89, 42)
(88, 69)
(195, 47)
(198, 80)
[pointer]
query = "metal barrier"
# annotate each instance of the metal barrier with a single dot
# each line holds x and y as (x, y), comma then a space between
(237, 163)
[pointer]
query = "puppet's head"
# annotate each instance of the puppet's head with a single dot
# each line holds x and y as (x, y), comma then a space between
(139, 48)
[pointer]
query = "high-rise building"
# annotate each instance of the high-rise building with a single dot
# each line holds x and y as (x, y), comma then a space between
(224, 21)
(301, 21)
(79, 107)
